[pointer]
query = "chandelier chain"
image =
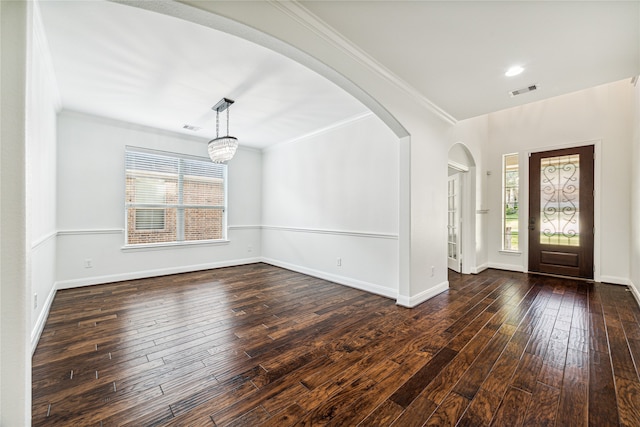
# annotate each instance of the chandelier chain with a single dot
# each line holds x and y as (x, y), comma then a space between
(217, 123)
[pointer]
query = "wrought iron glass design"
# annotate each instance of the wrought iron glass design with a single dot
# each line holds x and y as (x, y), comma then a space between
(452, 226)
(560, 200)
(511, 173)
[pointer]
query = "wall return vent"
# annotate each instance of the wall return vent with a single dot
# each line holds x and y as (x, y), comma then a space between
(530, 88)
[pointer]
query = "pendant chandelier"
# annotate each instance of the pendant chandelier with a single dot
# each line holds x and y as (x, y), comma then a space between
(222, 148)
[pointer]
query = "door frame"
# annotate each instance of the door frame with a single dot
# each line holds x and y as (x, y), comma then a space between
(524, 199)
(467, 216)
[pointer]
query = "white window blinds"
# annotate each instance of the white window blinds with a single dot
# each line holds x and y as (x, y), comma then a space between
(171, 198)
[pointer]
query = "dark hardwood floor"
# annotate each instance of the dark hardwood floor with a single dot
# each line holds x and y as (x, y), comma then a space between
(259, 345)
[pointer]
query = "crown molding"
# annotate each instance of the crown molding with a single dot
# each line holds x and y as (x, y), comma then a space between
(306, 18)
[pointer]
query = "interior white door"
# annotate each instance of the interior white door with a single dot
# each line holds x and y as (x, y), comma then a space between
(454, 259)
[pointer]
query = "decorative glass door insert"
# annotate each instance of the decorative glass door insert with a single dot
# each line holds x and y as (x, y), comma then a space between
(560, 200)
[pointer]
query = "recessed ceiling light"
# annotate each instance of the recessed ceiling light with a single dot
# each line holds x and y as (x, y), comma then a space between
(514, 71)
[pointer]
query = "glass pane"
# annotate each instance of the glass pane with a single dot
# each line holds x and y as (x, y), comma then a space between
(511, 199)
(146, 226)
(203, 224)
(560, 200)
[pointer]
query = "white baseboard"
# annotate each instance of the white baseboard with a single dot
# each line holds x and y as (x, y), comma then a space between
(615, 280)
(42, 319)
(342, 280)
(97, 280)
(479, 269)
(415, 300)
(508, 267)
(635, 292)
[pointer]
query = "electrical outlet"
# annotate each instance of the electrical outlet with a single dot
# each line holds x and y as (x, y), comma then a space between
(35, 300)
(88, 263)
(339, 262)
(250, 248)
(433, 271)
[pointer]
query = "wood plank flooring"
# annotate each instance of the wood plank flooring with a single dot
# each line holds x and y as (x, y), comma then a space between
(259, 345)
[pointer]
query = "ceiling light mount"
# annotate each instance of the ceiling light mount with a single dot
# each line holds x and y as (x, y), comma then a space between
(514, 71)
(222, 148)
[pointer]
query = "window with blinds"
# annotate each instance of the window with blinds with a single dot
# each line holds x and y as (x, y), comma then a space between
(172, 198)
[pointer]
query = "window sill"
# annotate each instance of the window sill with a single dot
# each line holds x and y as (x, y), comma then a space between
(512, 253)
(173, 245)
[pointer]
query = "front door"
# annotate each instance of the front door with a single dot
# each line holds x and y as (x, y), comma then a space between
(453, 224)
(561, 212)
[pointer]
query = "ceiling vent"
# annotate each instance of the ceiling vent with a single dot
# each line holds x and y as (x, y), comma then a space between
(524, 90)
(191, 128)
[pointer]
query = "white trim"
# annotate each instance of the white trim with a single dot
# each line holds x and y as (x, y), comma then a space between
(36, 332)
(173, 245)
(341, 280)
(44, 239)
(329, 34)
(615, 280)
(510, 253)
(90, 232)
(351, 233)
(458, 166)
(97, 280)
(508, 267)
(634, 292)
(320, 131)
(479, 269)
(423, 296)
(244, 227)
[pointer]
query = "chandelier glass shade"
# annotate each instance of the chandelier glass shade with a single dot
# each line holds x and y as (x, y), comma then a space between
(222, 148)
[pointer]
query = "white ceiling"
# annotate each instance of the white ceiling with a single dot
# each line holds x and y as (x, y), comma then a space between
(140, 66)
(455, 53)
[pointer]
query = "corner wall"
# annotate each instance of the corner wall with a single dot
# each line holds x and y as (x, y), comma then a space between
(635, 196)
(15, 357)
(332, 199)
(43, 102)
(91, 216)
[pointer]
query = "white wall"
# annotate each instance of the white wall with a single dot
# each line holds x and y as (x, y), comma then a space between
(43, 101)
(90, 215)
(601, 115)
(335, 195)
(635, 197)
(15, 356)
(470, 138)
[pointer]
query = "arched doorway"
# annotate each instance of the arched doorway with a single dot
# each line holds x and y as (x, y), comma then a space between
(461, 209)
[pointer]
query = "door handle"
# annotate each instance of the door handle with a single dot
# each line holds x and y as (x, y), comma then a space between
(532, 223)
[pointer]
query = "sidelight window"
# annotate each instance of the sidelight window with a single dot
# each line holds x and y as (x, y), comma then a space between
(510, 201)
